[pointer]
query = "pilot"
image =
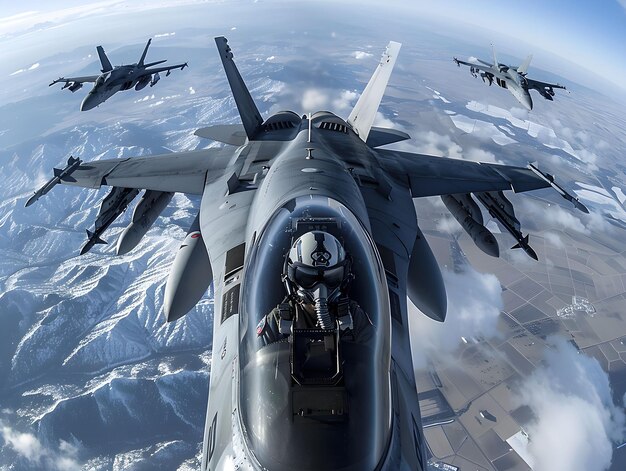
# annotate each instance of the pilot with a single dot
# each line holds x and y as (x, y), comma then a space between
(317, 276)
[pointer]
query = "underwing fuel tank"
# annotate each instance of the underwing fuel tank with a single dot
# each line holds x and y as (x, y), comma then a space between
(152, 204)
(425, 286)
(465, 210)
(143, 82)
(190, 275)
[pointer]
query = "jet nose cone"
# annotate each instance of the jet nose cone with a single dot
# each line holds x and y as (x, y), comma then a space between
(88, 103)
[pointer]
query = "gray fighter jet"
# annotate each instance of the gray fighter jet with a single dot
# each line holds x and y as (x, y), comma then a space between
(308, 232)
(113, 79)
(514, 79)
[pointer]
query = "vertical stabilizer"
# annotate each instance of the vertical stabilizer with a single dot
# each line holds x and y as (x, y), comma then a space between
(145, 51)
(364, 112)
(250, 116)
(104, 60)
(495, 57)
(522, 69)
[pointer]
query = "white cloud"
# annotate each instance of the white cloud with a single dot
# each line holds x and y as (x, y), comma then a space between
(575, 417)
(519, 113)
(27, 446)
(270, 58)
(448, 225)
(430, 142)
(554, 217)
(479, 155)
(474, 304)
(383, 122)
(345, 100)
(553, 239)
(314, 99)
(361, 55)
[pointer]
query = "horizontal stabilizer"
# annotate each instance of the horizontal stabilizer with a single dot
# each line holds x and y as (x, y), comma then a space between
(250, 116)
(381, 136)
(104, 60)
(364, 112)
(233, 134)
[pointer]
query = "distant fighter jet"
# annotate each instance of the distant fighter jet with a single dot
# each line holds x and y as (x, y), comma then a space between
(113, 79)
(512, 78)
(308, 232)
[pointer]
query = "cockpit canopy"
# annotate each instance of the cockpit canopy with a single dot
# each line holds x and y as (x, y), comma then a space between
(312, 398)
(102, 78)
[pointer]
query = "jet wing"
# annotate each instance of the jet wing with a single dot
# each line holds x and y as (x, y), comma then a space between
(545, 89)
(538, 85)
(484, 68)
(86, 78)
(184, 172)
(164, 69)
(427, 175)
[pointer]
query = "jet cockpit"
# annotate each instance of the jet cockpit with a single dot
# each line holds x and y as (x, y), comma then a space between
(320, 392)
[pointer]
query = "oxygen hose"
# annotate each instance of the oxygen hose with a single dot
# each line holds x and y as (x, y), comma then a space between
(323, 315)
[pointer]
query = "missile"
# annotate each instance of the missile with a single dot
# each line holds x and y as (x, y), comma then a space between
(59, 175)
(114, 204)
(502, 210)
(190, 275)
(481, 236)
(523, 244)
(549, 179)
(148, 209)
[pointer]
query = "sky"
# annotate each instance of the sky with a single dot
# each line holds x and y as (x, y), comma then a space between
(590, 33)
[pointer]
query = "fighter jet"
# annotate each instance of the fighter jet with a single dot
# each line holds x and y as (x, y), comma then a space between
(308, 232)
(514, 79)
(113, 79)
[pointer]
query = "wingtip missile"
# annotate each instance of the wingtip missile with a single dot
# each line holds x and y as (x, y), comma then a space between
(549, 179)
(59, 175)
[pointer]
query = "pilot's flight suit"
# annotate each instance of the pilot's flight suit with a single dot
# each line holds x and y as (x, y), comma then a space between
(354, 324)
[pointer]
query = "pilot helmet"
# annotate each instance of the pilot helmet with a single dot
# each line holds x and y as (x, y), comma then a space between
(317, 267)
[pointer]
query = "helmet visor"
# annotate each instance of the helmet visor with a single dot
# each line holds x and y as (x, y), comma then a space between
(307, 277)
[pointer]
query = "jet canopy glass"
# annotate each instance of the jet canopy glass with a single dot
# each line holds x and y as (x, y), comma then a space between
(315, 398)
